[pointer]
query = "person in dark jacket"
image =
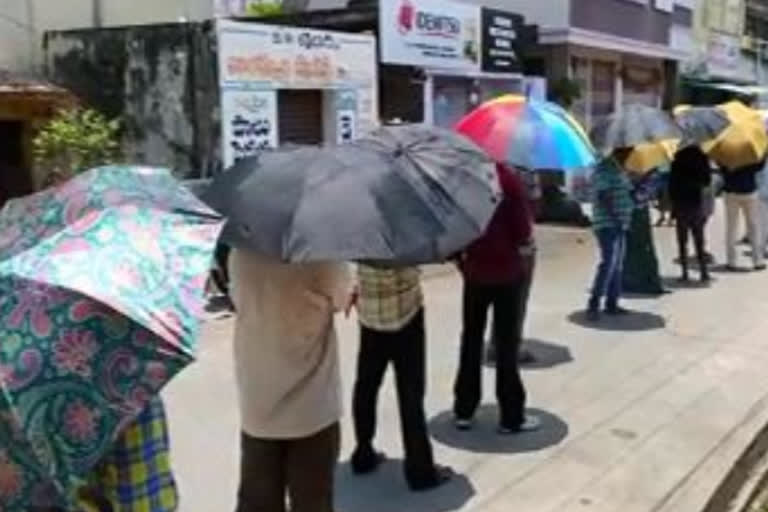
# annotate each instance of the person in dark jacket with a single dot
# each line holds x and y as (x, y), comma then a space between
(494, 274)
(740, 186)
(689, 177)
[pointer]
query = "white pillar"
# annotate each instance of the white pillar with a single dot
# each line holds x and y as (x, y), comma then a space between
(429, 95)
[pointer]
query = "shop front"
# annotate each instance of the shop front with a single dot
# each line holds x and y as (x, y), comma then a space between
(288, 85)
(468, 54)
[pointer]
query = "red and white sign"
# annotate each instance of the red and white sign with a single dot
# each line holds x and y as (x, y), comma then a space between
(430, 33)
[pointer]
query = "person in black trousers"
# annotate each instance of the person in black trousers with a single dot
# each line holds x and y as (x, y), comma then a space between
(494, 274)
(690, 175)
(391, 315)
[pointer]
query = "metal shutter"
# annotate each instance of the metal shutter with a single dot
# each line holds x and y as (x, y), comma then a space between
(300, 116)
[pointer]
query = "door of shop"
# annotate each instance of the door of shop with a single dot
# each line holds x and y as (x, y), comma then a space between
(300, 116)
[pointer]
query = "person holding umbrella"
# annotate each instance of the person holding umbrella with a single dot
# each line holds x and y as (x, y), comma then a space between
(398, 197)
(533, 136)
(287, 369)
(494, 273)
(110, 317)
(611, 216)
(690, 175)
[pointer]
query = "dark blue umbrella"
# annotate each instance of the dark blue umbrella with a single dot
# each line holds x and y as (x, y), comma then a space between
(405, 194)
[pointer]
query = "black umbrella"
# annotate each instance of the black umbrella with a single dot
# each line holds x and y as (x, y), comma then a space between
(406, 194)
(701, 124)
(633, 125)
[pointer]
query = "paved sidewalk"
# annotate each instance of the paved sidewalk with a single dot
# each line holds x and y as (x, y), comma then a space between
(645, 414)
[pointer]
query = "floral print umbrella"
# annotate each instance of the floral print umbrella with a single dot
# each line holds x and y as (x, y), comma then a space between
(101, 290)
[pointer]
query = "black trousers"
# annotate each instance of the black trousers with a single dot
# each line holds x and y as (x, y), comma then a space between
(691, 220)
(300, 469)
(406, 350)
(506, 303)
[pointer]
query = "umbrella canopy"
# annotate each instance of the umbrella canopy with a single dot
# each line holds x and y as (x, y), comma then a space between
(700, 124)
(744, 142)
(407, 194)
(634, 125)
(652, 155)
(531, 134)
(101, 286)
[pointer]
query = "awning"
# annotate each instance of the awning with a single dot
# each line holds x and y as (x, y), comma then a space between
(742, 90)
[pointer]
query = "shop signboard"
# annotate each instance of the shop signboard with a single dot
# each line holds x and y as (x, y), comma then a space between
(440, 34)
(500, 38)
(249, 123)
(256, 60)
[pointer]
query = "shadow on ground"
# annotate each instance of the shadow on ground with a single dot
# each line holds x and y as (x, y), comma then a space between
(545, 355)
(386, 491)
(634, 321)
(692, 284)
(483, 438)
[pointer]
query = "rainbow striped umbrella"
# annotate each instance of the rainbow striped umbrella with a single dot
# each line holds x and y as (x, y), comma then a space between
(528, 133)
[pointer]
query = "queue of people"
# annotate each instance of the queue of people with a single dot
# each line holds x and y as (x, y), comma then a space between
(690, 186)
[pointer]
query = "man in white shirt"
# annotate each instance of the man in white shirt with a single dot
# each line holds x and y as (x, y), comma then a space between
(287, 368)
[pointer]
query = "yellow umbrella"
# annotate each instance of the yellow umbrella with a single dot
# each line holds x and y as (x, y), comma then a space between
(648, 156)
(744, 142)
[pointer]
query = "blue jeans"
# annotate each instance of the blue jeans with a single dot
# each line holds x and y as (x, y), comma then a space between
(613, 245)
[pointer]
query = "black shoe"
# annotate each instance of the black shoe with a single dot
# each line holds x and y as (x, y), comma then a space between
(616, 311)
(367, 461)
(531, 423)
(463, 424)
(760, 268)
(440, 476)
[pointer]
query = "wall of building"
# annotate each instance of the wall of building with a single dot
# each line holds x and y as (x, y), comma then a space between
(630, 19)
(23, 22)
(160, 81)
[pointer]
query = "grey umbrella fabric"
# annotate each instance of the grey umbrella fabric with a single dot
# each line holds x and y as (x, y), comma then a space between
(701, 124)
(405, 194)
(633, 125)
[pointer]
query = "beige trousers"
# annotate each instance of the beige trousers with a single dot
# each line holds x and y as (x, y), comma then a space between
(749, 206)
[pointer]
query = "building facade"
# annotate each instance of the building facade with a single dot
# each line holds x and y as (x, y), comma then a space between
(616, 51)
(23, 22)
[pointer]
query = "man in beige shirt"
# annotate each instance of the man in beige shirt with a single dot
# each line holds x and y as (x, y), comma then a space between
(287, 368)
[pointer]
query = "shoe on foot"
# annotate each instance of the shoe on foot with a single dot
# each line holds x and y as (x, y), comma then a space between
(364, 462)
(463, 423)
(530, 424)
(616, 311)
(760, 267)
(441, 475)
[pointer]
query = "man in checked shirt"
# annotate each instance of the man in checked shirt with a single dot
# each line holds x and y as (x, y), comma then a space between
(391, 314)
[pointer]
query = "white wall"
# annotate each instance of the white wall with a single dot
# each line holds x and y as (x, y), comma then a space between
(23, 22)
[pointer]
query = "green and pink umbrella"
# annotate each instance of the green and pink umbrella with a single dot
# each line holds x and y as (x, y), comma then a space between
(101, 290)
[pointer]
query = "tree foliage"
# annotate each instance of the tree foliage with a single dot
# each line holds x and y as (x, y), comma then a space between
(74, 141)
(565, 92)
